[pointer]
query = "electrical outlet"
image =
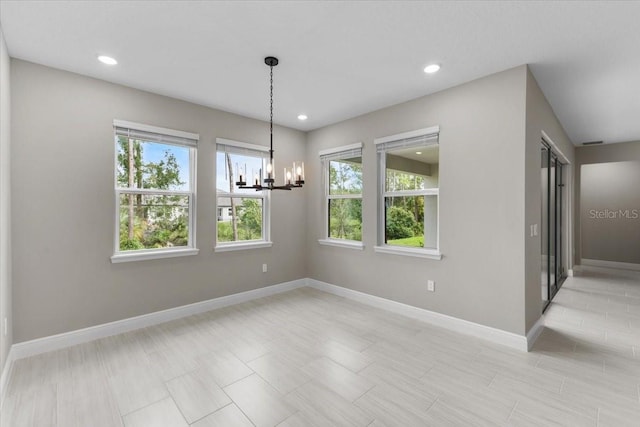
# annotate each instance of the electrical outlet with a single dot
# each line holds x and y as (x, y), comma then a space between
(431, 286)
(264, 268)
(6, 326)
(534, 230)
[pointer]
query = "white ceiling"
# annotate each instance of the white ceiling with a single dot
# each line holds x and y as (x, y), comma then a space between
(342, 59)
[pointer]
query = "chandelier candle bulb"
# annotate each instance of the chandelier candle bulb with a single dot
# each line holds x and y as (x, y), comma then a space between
(298, 172)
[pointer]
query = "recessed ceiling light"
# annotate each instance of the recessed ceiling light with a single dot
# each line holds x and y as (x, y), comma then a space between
(302, 117)
(418, 152)
(430, 69)
(107, 60)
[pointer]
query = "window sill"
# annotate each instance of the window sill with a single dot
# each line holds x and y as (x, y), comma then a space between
(242, 246)
(143, 255)
(350, 244)
(414, 252)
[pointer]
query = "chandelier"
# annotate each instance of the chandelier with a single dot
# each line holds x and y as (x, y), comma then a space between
(293, 178)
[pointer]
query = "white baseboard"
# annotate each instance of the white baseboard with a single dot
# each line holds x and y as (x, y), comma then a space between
(7, 369)
(67, 339)
(610, 264)
(535, 332)
(494, 335)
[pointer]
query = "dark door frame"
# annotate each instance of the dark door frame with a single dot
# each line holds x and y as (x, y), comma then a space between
(555, 210)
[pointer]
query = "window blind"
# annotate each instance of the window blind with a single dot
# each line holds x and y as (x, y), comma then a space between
(347, 152)
(243, 151)
(161, 135)
(415, 141)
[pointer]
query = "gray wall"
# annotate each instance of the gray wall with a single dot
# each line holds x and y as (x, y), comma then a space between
(606, 159)
(63, 206)
(539, 117)
(482, 155)
(62, 183)
(5, 203)
(610, 212)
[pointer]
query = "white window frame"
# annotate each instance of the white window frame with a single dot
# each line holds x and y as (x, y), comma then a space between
(326, 156)
(419, 137)
(164, 136)
(264, 195)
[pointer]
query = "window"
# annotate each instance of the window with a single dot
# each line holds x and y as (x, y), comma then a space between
(243, 214)
(154, 192)
(342, 178)
(408, 169)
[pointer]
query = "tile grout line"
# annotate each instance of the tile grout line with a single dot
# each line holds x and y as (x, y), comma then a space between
(149, 404)
(515, 405)
(290, 416)
(239, 379)
(492, 380)
(243, 413)
(368, 390)
(205, 416)
(433, 403)
(178, 407)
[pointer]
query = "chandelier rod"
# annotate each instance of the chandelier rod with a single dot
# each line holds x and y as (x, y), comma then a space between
(271, 64)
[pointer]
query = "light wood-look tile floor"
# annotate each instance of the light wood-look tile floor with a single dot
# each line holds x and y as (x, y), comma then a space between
(307, 358)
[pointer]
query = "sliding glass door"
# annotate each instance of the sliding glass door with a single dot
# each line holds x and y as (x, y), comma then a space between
(551, 229)
(553, 286)
(544, 224)
(560, 218)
